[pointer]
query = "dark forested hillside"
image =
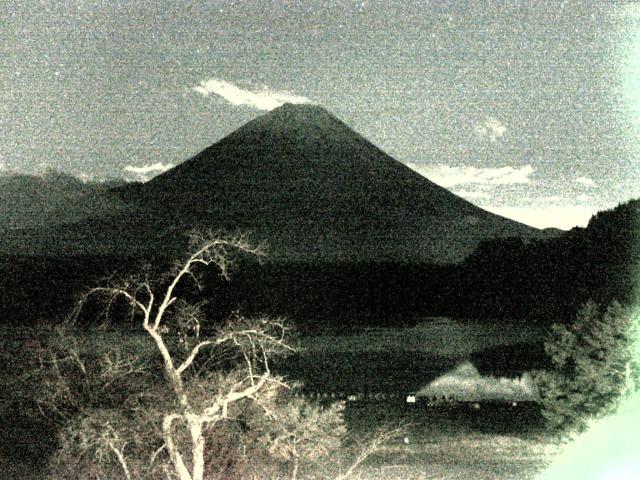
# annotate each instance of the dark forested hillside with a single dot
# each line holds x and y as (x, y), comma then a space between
(54, 198)
(503, 280)
(546, 281)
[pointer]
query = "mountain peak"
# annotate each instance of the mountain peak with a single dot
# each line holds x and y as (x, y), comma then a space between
(301, 107)
(313, 189)
(299, 112)
(293, 126)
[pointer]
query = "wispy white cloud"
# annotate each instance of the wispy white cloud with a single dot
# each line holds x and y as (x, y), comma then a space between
(475, 183)
(263, 99)
(491, 128)
(447, 176)
(586, 181)
(147, 171)
(471, 194)
(559, 216)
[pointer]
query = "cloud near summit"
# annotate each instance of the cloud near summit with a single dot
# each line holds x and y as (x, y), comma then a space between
(263, 99)
(586, 181)
(145, 172)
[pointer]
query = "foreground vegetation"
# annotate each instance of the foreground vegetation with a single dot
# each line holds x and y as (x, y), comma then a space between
(204, 404)
(437, 443)
(594, 366)
(169, 398)
(456, 442)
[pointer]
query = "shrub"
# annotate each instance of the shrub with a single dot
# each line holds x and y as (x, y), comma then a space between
(592, 366)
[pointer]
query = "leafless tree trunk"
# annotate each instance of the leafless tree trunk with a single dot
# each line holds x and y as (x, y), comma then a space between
(194, 402)
(255, 340)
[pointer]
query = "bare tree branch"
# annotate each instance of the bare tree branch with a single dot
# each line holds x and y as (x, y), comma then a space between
(253, 341)
(371, 447)
(119, 453)
(194, 353)
(174, 454)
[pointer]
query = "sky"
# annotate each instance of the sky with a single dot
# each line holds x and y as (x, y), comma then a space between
(527, 109)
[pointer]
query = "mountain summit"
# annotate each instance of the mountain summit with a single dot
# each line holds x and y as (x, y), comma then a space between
(312, 189)
(298, 141)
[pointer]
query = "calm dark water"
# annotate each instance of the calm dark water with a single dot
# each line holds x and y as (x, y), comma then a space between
(364, 372)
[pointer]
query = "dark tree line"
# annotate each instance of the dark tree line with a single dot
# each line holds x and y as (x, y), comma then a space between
(541, 282)
(547, 281)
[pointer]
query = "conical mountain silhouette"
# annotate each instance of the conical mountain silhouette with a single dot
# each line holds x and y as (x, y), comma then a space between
(312, 189)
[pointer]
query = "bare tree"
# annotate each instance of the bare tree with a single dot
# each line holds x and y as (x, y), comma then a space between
(198, 405)
(166, 404)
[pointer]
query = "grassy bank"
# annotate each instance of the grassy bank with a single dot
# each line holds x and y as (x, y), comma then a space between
(499, 443)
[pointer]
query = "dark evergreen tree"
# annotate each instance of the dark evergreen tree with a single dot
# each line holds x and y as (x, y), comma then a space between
(592, 365)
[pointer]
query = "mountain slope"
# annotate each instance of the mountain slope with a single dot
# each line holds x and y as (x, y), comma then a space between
(302, 181)
(313, 188)
(34, 201)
